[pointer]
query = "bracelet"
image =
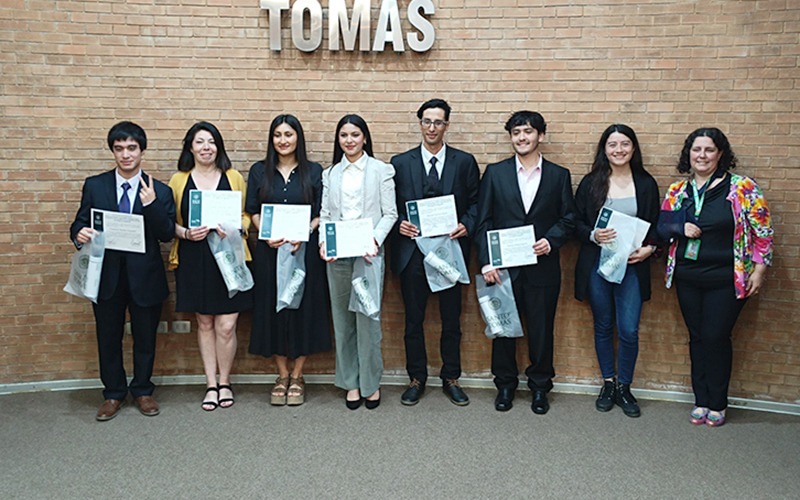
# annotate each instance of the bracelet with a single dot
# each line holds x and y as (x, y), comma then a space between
(184, 234)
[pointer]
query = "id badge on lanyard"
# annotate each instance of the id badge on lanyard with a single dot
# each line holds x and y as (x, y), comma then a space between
(693, 244)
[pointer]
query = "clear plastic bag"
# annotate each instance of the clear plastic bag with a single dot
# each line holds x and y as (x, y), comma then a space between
(229, 254)
(444, 262)
(367, 282)
(87, 268)
(498, 307)
(290, 274)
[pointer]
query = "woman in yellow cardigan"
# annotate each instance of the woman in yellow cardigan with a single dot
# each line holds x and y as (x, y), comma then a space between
(200, 288)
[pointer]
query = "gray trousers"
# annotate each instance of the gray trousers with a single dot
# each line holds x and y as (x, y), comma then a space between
(359, 363)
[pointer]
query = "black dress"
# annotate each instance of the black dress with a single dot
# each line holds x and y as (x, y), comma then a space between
(291, 332)
(198, 282)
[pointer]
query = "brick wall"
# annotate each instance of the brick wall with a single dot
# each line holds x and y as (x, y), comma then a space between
(71, 69)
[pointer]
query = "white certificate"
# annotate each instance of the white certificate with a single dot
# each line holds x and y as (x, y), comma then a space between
(631, 231)
(433, 216)
(290, 222)
(511, 247)
(348, 238)
(123, 232)
(212, 208)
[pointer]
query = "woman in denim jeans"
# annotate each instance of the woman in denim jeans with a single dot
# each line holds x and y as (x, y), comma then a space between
(617, 181)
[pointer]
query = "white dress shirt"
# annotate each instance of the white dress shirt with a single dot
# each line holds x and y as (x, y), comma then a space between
(528, 181)
(352, 187)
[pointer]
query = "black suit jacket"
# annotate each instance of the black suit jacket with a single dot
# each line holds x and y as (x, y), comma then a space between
(460, 178)
(647, 208)
(146, 275)
(552, 214)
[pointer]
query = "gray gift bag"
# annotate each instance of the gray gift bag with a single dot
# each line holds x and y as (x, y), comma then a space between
(444, 262)
(290, 274)
(498, 307)
(367, 282)
(86, 269)
(229, 254)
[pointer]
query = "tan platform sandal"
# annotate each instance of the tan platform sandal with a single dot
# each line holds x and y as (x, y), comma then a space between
(278, 395)
(297, 387)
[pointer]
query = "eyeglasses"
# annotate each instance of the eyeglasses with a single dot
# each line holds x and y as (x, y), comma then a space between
(437, 123)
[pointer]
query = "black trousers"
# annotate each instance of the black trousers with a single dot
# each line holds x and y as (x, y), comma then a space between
(110, 325)
(415, 290)
(710, 314)
(538, 306)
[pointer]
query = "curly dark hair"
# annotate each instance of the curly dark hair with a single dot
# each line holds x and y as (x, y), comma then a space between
(726, 162)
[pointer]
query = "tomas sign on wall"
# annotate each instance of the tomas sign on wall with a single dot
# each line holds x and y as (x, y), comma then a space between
(389, 28)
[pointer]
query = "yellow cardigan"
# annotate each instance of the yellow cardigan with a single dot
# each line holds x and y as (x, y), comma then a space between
(178, 184)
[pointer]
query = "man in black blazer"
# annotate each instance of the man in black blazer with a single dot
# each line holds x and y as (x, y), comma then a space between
(133, 281)
(522, 190)
(432, 169)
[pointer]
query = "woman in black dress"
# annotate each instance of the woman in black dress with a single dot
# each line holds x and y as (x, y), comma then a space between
(286, 176)
(200, 288)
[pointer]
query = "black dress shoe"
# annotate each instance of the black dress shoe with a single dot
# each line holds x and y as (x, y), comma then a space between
(503, 401)
(454, 392)
(540, 404)
(412, 393)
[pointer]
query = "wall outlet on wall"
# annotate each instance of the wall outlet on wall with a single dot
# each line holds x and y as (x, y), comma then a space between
(182, 326)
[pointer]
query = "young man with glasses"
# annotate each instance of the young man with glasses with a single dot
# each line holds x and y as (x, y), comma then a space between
(430, 170)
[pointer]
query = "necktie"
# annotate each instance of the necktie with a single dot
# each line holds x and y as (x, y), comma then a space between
(433, 174)
(124, 202)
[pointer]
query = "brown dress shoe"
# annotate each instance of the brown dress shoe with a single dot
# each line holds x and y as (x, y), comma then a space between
(109, 409)
(147, 405)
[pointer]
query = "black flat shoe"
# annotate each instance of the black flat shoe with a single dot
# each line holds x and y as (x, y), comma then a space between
(503, 401)
(540, 404)
(371, 404)
(353, 405)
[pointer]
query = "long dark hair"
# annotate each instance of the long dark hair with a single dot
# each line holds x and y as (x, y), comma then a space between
(726, 162)
(601, 169)
(271, 160)
(361, 124)
(186, 160)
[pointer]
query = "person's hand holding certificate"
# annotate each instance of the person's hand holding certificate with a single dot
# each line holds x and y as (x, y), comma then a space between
(511, 247)
(349, 238)
(433, 216)
(123, 232)
(211, 208)
(287, 222)
(628, 235)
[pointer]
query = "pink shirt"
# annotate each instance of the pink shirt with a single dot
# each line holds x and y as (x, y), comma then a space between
(528, 182)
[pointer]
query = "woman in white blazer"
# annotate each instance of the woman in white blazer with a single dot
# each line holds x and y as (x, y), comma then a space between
(356, 186)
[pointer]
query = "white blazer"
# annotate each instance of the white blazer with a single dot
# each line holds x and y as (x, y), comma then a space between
(379, 198)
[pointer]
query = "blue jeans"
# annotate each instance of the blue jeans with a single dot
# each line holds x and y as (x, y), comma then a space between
(624, 299)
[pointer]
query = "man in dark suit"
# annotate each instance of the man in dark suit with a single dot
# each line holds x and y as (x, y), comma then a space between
(133, 281)
(522, 190)
(430, 170)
